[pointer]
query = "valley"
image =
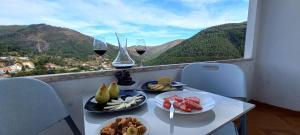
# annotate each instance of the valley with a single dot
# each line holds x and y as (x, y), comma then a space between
(51, 50)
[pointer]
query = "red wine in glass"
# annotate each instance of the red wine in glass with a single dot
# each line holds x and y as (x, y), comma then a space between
(100, 52)
(100, 48)
(140, 51)
(140, 48)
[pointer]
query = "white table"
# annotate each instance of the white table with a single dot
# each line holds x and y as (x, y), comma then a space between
(225, 111)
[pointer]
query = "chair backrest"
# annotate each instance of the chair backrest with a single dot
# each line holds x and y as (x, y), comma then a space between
(28, 106)
(223, 79)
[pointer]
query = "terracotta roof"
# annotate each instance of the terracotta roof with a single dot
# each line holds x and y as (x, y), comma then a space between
(5, 69)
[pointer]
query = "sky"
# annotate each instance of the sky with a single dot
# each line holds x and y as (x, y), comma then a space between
(156, 21)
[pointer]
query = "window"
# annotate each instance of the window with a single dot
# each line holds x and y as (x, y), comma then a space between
(53, 37)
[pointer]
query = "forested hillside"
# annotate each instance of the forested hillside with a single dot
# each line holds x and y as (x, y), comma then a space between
(66, 50)
(45, 39)
(154, 51)
(214, 43)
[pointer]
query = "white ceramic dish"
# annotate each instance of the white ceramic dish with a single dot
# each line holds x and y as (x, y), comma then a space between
(124, 116)
(206, 101)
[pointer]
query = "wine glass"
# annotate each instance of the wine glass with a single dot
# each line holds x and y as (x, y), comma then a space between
(140, 48)
(100, 47)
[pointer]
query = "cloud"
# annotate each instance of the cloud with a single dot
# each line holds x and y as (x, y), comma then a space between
(120, 15)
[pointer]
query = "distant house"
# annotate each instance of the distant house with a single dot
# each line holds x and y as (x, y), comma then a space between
(23, 58)
(28, 64)
(16, 67)
(2, 72)
(3, 58)
(2, 64)
(7, 58)
(50, 66)
(6, 70)
(13, 71)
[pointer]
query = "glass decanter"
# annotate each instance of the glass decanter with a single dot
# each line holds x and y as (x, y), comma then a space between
(123, 59)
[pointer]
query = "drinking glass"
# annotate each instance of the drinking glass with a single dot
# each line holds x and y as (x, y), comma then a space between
(140, 49)
(100, 47)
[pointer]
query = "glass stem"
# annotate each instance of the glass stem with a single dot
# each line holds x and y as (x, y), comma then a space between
(101, 63)
(141, 61)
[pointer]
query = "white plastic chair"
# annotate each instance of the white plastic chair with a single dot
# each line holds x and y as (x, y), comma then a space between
(29, 106)
(223, 79)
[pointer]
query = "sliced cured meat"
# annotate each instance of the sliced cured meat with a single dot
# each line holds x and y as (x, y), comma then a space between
(186, 104)
(194, 99)
(185, 108)
(192, 105)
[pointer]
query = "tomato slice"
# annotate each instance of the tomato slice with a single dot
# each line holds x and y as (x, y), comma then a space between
(194, 99)
(167, 104)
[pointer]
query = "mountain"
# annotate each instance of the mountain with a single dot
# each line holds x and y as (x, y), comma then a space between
(45, 39)
(215, 43)
(10, 28)
(154, 51)
(56, 44)
(36, 39)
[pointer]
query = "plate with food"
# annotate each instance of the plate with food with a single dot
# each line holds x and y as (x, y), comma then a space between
(163, 84)
(185, 102)
(111, 99)
(124, 125)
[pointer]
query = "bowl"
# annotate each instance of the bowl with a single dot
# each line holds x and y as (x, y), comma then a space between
(144, 122)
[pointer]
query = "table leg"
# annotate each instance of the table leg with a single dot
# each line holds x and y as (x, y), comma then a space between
(243, 128)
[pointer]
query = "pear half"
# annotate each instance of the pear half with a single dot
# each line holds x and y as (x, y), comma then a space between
(102, 95)
(114, 90)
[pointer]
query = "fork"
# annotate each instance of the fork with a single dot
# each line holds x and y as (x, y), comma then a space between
(172, 109)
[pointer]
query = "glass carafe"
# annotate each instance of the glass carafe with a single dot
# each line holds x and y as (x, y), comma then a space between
(123, 59)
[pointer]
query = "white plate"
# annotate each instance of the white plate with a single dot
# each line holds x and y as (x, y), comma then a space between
(124, 116)
(206, 101)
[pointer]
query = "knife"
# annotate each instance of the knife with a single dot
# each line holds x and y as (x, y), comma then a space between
(177, 84)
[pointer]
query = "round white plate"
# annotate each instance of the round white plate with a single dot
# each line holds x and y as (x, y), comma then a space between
(206, 101)
(124, 116)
